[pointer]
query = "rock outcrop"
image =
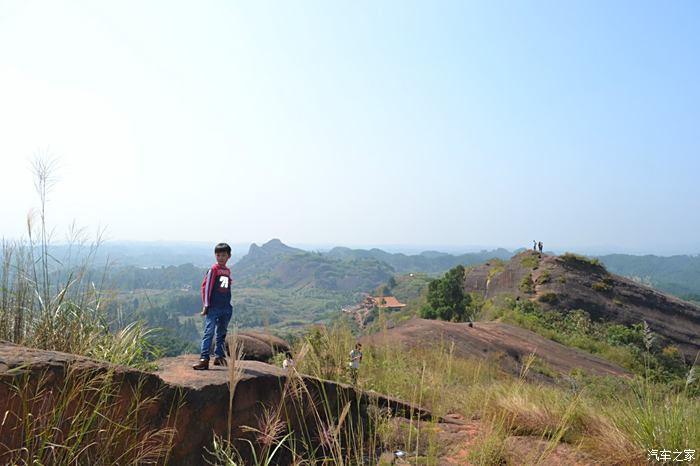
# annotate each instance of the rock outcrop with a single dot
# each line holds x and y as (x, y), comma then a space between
(258, 346)
(193, 403)
(570, 282)
(507, 345)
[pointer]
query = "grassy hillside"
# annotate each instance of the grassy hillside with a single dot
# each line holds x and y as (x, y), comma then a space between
(631, 343)
(508, 420)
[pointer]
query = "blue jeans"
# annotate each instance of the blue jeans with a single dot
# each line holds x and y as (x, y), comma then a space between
(215, 319)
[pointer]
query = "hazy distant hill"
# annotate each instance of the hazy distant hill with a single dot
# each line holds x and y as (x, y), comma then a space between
(143, 253)
(679, 275)
(276, 265)
(432, 262)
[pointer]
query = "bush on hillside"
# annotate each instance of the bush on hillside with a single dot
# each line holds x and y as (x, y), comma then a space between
(545, 277)
(601, 286)
(446, 299)
(526, 285)
(549, 298)
(577, 259)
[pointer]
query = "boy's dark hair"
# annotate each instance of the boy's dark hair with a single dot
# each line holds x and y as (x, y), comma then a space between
(288, 355)
(222, 247)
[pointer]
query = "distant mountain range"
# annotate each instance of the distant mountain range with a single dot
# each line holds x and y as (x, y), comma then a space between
(678, 275)
(278, 265)
(349, 268)
(432, 262)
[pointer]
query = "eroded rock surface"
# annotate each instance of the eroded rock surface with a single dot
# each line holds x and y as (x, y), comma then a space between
(568, 283)
(202, 397)
(258, 346)
(505, 344)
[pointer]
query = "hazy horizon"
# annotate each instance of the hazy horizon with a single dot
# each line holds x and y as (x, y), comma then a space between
(241, 248)
(401, 125)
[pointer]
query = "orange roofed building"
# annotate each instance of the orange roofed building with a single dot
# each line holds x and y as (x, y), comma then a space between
(388, 302)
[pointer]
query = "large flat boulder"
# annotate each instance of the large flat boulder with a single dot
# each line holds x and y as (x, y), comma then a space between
(259, 346)
(508, 345)
(202, 398)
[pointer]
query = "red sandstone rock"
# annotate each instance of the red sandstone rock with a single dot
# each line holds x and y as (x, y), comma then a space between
(507, 344)
(203, 397)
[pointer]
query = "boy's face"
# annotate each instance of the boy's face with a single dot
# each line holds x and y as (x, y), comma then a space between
(222, 257)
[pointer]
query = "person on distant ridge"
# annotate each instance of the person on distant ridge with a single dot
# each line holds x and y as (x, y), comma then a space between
(540, 246)
(534, 245)
(216, 307)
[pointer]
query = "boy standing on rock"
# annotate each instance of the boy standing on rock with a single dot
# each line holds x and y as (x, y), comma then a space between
(216, 307)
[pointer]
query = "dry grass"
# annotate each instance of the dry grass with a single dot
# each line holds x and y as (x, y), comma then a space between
(54, 304)
(235, 371)
(82, 418)
(605, 441)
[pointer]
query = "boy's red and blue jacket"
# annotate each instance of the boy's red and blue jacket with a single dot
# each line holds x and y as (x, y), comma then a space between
(216, 288)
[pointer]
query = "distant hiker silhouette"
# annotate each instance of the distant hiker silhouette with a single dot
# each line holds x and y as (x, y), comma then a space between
(534, 245)
(539, 245)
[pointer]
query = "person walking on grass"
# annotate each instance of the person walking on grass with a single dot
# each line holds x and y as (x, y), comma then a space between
(355, 359)
(216, 307)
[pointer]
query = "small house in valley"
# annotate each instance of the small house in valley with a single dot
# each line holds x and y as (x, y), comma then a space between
(388, 302)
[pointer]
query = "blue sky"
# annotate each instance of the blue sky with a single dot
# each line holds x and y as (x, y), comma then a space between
(453, 124)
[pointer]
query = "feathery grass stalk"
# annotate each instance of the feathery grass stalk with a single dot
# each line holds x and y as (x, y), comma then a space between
(38, 308)
(83, 419)
(235, 371)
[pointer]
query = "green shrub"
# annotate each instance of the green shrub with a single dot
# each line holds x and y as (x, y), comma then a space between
(576, 259)
(549, 298)
(601, 286)
(496, 269)
(545, 277)
(623, 345)
(526, 285)
(531, 262)
(618, 334)
(540, 366)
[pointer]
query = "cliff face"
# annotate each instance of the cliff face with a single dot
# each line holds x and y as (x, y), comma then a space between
(569, 282)
(192, 404)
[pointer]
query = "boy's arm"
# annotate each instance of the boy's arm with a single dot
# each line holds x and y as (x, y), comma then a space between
(207, 286)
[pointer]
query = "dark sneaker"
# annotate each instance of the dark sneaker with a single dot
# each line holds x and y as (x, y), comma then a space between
(220, 362)
(202, 365)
